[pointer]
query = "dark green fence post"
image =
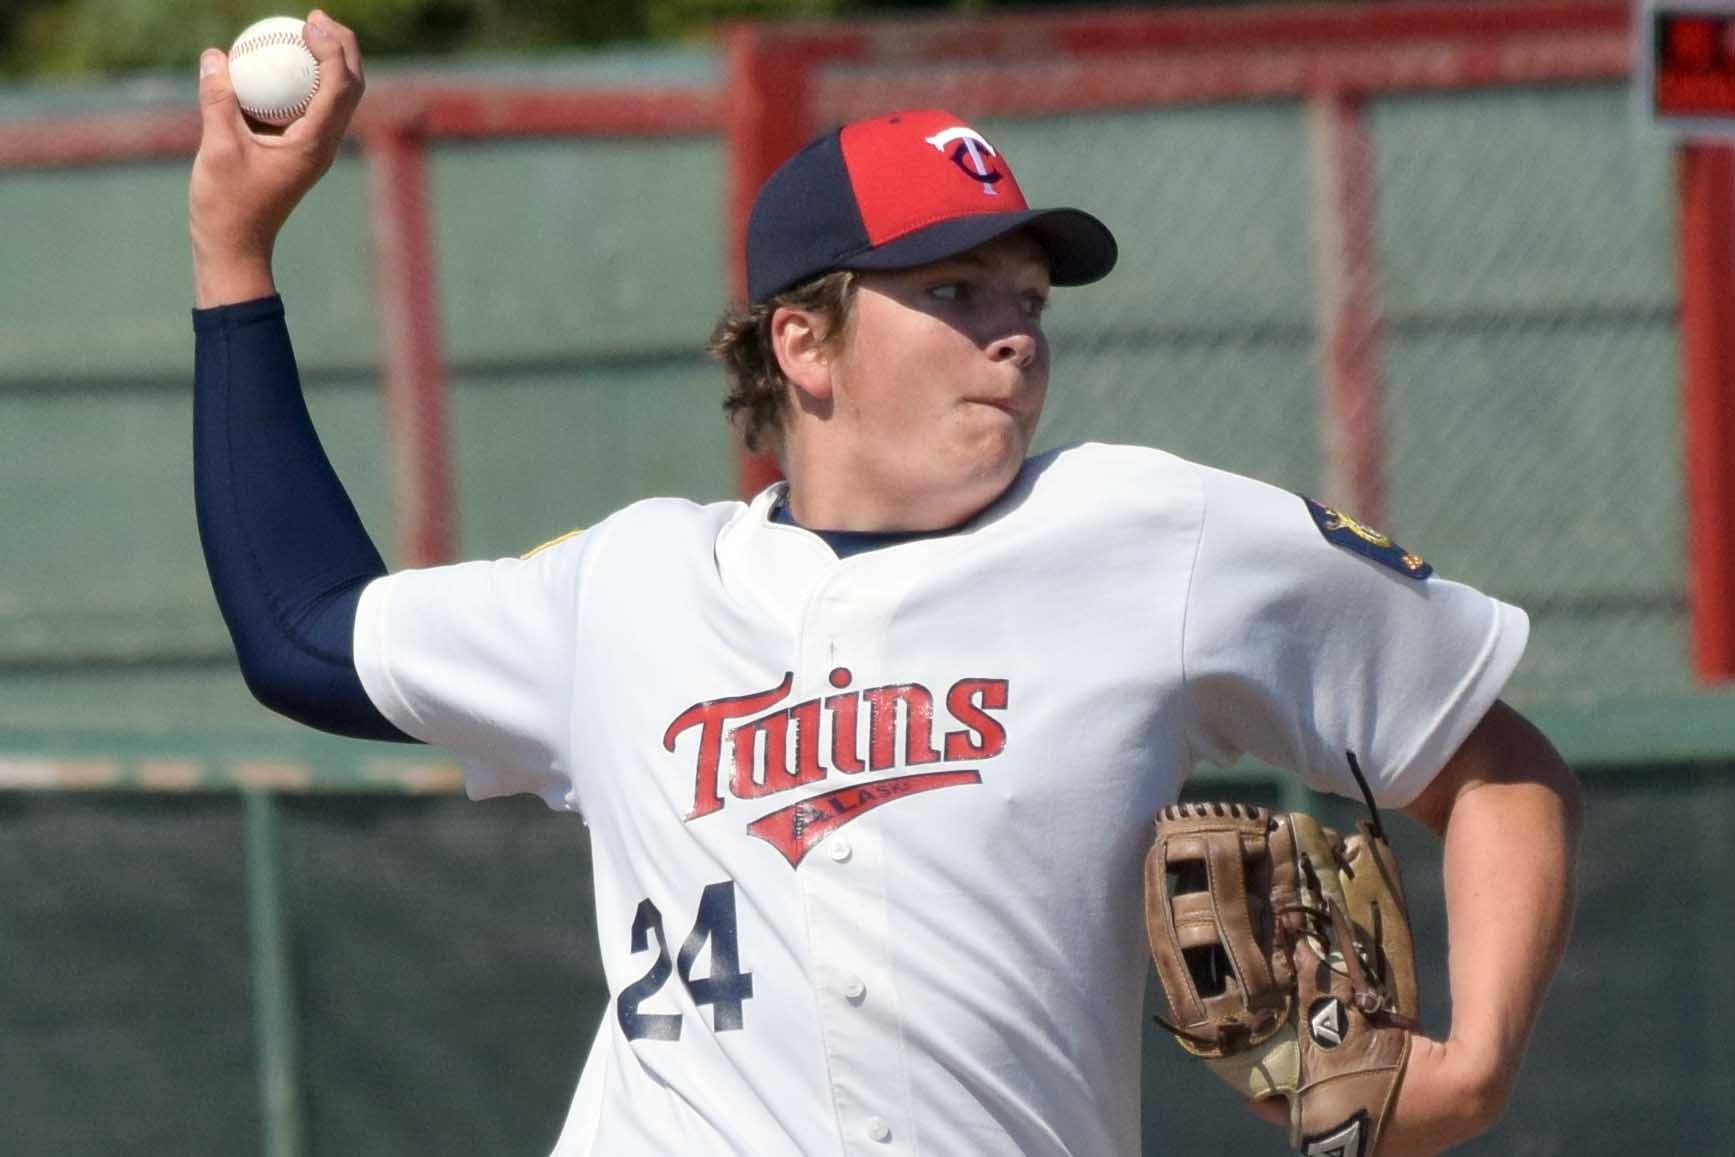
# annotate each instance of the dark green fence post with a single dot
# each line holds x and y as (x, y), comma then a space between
(274, 1013)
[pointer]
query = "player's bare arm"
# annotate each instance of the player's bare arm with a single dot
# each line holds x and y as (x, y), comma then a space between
(245, 183)
(1508, 809)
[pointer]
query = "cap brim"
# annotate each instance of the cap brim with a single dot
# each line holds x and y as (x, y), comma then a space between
(1080, 248)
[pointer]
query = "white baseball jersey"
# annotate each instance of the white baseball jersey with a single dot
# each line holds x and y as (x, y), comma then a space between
(868, 834)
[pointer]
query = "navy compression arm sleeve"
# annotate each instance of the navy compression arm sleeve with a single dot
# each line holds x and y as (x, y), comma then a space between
(287, 553)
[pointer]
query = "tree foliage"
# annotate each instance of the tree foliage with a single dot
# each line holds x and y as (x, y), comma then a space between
(93, 37)
(106, 37)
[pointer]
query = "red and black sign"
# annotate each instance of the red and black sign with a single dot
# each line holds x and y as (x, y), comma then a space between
(1693, 63)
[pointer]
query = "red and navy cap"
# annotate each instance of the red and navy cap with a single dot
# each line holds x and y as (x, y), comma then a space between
(900, 190)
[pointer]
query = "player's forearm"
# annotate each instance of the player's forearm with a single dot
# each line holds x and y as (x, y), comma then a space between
(287, 554)
(1511, 838)
(1509, 855)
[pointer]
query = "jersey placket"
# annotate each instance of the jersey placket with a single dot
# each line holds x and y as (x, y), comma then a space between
(843, 894)
(861, 1020)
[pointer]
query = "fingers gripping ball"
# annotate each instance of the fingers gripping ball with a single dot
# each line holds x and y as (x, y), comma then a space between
(1284, 951)
(274, 74)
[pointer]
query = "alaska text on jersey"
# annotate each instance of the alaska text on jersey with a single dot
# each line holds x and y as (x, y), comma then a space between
(773, 749)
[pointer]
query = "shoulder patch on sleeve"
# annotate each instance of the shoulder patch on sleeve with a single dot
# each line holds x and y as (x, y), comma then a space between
(1342, 530)
(536, 550)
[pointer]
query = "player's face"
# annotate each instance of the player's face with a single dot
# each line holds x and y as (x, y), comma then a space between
(942, 375)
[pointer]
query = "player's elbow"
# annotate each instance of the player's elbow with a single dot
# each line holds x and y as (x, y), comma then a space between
(315, 691)
(275, 684)
(1484, 1098)
(280, 679)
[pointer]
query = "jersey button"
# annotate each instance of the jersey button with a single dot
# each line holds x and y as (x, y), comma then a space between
(854, 989)
(838, 849)
(878, 1130)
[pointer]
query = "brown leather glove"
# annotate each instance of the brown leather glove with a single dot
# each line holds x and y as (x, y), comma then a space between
(1285, 954)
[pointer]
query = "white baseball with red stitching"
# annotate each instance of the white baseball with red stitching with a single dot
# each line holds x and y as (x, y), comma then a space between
(274, 74)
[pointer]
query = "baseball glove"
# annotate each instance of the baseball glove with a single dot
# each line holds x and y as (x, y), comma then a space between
(1285, 954)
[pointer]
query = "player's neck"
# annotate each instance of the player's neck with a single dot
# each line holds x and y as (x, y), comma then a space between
(833, 501)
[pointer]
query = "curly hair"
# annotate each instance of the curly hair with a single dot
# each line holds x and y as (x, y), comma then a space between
(758, 399)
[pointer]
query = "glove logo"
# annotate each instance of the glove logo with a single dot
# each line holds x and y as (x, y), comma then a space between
(1347, 1140)
(1326, 1022)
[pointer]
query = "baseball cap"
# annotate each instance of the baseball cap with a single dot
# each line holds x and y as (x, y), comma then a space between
(899, 190)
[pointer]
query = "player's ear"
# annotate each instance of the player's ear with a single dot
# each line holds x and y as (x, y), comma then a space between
(798, 341)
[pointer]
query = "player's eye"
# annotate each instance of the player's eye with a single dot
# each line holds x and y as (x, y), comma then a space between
(950, 291)
(1035, 304)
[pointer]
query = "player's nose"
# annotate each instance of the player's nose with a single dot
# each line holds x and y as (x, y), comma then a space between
(1018, 346)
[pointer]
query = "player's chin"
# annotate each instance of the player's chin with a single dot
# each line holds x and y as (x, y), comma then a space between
(996, 449)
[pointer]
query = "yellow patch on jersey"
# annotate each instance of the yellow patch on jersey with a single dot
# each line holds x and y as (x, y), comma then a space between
(536, 550)
(1342, 530)
(1338, 520)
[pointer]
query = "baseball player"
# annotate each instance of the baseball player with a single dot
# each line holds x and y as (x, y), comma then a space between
(869, 761)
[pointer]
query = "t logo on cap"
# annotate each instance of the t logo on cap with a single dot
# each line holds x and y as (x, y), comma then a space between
(971, 146)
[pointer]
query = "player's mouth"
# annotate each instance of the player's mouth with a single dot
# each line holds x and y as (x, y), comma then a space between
(1013, 406)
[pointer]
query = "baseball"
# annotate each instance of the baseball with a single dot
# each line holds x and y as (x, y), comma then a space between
(274, 74)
